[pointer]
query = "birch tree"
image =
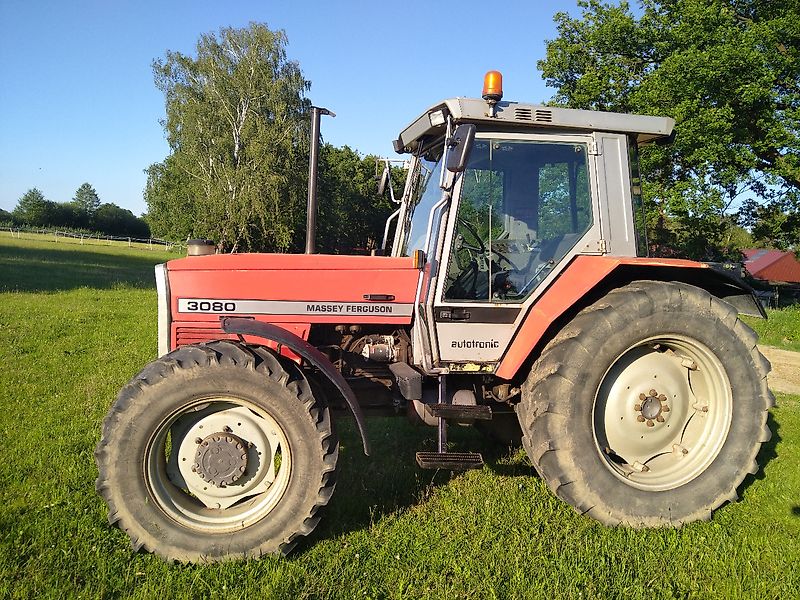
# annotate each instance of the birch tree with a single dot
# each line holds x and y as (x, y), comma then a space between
(237, 128)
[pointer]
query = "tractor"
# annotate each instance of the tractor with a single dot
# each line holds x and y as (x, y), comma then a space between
(513, 291)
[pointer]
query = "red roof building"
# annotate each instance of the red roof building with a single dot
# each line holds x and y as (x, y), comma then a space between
(774, 266)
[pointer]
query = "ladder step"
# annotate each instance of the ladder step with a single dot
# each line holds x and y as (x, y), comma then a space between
(454, 461)
(460, 412)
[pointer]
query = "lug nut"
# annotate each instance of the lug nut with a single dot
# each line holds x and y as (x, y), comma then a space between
(642, 397)
(198, 440)
(640, 418)
(665, 408)
(660, 419)
(650, 424)
(653, 392)
(637, 407)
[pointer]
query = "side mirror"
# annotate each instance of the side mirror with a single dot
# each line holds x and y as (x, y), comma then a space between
(459, 147)
(384, 180)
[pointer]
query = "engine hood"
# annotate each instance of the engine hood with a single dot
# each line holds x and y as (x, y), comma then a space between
(293, 288)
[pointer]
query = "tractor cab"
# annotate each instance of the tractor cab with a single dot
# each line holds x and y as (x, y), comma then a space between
(500, 197)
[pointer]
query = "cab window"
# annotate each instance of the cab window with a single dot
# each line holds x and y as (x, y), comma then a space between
(523, 206)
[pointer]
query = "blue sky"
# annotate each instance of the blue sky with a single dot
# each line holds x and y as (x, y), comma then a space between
(78, 103)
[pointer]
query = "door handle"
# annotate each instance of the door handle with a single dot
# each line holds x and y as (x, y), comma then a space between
(455, 314)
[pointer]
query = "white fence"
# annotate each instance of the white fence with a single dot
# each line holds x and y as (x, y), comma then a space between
(93, 239)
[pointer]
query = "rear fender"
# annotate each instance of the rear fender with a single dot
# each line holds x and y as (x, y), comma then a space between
(301, 347)
(589, 277)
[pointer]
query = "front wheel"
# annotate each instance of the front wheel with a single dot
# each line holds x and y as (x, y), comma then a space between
(649, 408)
(217, 451)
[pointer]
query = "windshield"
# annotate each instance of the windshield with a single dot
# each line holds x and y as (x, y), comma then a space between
(425, 193)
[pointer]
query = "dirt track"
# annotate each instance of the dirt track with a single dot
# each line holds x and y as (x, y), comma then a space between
(785, 374)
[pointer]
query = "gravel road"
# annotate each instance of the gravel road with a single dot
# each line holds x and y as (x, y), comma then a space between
(785, 374)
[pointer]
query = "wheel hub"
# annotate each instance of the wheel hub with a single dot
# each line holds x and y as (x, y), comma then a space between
(221, 459)
(650, 407)
(213, 473)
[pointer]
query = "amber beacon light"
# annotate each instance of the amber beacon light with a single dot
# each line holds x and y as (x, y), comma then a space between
(493, 87)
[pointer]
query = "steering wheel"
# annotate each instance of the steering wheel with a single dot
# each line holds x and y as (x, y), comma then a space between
(474, 251)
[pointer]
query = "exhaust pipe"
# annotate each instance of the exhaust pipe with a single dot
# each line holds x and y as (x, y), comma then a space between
(313, 162)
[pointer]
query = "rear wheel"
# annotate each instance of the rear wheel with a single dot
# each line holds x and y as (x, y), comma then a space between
(649, 408)
(217, 451)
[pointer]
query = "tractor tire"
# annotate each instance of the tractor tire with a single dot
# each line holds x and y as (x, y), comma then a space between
(217, 451)
(648, 409)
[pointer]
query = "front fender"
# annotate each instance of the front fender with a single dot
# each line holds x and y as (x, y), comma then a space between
(301, 347)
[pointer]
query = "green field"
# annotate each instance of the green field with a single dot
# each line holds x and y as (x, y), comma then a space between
(77, 323)
(781, 329)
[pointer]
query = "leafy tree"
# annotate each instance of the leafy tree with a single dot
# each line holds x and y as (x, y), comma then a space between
(352, 215)
(33, 209)
(726, 70)
(6, 217)
(86, 199)
(235, 122)
(113, 220)
(171, 209)
(775, 225)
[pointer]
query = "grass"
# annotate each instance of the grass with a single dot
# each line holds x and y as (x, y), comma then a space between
(43, 265)
(781, 329)
(391, 531)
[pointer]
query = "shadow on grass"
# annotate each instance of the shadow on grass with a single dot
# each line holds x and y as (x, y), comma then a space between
(58, 269)
(389, 481)
(372, 487)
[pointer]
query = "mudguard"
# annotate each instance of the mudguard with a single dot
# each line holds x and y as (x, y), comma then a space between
(301, 347)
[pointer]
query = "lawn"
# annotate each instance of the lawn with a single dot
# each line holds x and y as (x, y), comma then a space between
(76, 324)
(781, 329)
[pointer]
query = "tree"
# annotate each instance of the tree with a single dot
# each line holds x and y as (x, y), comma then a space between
(235, 122)
(86, 199)
(352, 215)
(726, 70)
(33, 209)
(113, 220)
(171, 210)
(6, 217)
(71, 215)
(776, 225)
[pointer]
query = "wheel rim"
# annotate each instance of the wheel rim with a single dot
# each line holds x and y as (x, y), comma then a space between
(662, 413)
(218, 464)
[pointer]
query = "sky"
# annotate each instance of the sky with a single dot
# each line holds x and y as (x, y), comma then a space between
(78, 102)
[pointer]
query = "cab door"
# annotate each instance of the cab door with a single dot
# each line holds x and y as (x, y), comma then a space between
(524, 207)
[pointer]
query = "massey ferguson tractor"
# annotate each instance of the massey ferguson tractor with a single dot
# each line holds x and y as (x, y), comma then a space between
(514, 292)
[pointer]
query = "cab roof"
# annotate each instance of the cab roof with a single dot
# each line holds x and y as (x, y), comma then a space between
(518, 115)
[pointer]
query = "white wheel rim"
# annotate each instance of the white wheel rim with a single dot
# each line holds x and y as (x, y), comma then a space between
(199, 504)
(662, 413)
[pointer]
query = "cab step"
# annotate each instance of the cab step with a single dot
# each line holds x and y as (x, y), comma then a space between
(460, 412)
(453, 461)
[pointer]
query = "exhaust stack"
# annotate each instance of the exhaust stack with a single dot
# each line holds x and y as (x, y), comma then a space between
(313, 162)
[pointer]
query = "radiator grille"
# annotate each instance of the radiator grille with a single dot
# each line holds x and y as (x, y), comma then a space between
(200, 332)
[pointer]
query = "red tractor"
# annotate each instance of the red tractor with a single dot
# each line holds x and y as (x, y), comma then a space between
(515, 293)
